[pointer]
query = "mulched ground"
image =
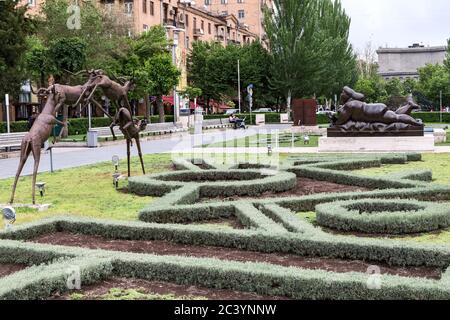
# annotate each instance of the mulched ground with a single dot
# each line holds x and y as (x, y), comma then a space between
(8, 268)
(304, 187)
(170, 248)
(95, 291)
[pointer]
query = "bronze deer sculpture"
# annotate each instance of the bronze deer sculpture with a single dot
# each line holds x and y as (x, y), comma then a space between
(111, 89)
(130, 130)
(35, 138)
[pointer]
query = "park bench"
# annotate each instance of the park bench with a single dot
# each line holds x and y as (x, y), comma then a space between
(152, 129)
(217, 123)
(9, 141)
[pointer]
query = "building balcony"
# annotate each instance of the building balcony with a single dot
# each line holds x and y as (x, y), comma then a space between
(198, 32)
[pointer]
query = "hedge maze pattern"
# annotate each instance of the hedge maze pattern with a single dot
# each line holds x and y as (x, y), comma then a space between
(272, 227)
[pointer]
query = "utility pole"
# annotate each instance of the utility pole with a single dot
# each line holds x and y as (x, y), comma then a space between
(239, 85)
(440, 104)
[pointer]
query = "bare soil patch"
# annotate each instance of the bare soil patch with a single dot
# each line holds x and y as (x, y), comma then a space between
(96, 291)
(304, 187)
(9, 268)
(170, 248)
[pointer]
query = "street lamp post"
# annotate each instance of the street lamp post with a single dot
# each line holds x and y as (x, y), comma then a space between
(239, 85)
(440, 104)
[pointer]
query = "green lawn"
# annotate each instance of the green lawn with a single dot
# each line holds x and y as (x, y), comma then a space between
(85, 191)
(263, 140)
(438, 163)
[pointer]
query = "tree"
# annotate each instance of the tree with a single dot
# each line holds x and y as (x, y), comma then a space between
(309, 45)
(409, 85)
(162, 76)
(373, 88)
(394, 87)
(14, 27)
(434, 78)
(149, 63)
(341, 67)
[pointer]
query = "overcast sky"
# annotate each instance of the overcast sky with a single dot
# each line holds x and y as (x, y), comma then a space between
(398, 23)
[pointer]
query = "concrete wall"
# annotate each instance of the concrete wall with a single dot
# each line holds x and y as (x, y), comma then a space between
(405, 62)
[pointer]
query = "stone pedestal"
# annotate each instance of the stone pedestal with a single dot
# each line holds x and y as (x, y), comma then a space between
(376, 144)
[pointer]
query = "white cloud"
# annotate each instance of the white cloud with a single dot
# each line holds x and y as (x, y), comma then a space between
(398, 23)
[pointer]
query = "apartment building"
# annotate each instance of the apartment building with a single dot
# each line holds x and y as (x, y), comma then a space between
(249, 13)
(185, 22)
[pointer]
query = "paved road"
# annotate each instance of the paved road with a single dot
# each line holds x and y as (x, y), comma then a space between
(74, 157)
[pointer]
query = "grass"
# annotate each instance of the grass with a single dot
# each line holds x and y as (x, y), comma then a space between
(88, 191)
(132, 294)
(263, 140)
(84, 191)
(75, 138)
(438, 163)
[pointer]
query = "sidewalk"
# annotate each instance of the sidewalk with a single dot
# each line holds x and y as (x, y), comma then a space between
(74, 157)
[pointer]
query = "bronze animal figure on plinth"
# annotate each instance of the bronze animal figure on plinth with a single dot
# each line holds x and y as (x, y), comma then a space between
(35, 138)
(357, 117)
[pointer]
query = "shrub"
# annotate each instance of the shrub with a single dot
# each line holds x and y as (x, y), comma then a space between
(383, 216)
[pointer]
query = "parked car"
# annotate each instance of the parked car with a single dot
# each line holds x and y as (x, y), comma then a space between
(231, 111)
(263, 110)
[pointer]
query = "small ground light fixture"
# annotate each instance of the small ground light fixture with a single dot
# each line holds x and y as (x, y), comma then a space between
(9, 215)
(41, 188)
(115, 162)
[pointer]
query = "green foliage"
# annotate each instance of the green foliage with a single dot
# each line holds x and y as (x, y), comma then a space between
(383, 216)
(213, 69)
(310, 48)
(14, 27)
(273, 228)
(373, 88)
(67, 54)
(432, 80)
(394, 87)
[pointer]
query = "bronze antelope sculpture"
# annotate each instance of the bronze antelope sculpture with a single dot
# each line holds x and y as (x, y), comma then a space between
(38, 134)
(111, 89)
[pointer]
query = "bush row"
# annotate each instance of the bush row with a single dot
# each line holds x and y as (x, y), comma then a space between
(76, 125)
(40, 282)
(317, 243)
(243, 182)
(383, 216)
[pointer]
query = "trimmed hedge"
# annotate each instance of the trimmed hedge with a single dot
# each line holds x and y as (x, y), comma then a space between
(383, 216)
(273, 228)
(243, 182)
(40, 282)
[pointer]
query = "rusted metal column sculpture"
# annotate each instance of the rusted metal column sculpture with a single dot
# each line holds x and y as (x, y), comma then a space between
(38, 134)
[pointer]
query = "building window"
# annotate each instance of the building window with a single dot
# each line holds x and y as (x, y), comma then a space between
(202, 25)
(129, 7)
(144, 6)
(240, 1)
(209, 28)
(145, 27)
(187, 43)
(223, 1)
(195, 23)
(207, 2)
(241, 14)
(31, 3)
(152, 8)
(186, 18)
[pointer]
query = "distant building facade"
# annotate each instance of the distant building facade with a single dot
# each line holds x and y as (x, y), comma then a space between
(404, 63)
